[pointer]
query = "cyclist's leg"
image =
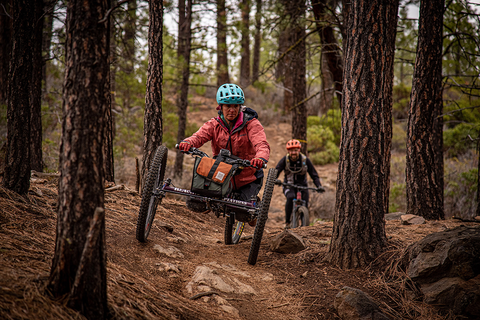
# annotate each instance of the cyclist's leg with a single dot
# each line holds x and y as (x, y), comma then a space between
(249, 191)
(305, 196)
(290, 195)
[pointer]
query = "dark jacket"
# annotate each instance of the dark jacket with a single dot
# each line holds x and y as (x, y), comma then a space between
(298, 178)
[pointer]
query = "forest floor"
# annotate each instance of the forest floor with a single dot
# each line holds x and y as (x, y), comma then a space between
(161, 279)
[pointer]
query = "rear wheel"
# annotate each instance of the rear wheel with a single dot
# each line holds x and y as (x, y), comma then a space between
(233, 231)
(300, 217)
(148, 206)
(262, 216)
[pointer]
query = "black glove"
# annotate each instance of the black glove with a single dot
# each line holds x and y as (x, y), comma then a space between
(320, 189)
(278, 182)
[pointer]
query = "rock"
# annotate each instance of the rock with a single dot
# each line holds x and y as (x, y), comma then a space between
(446, 265)
(456, 294)
(205, 276)
(287, 242)
(393, 216)
(352, 304)
(448, 254)
(411, 219)
(172, 252)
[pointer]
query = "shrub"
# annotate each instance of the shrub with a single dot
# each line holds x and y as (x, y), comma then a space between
(321, 146)
(456, 141)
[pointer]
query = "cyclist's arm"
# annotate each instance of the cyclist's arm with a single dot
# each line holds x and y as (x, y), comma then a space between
(280, 166)
(313, 173)
(258, 139)
(203, 135)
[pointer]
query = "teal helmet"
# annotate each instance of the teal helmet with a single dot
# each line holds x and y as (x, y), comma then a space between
(230, 93)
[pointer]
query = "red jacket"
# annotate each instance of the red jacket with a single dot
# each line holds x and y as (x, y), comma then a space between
(247, 140)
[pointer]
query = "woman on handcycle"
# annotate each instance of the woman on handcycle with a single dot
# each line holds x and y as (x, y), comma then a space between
(237, 129)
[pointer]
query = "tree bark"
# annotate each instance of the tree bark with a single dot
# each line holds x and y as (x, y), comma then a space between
(359, 227)
(258, 42)
(36, 160)
(129, 38)
(222, 56)
(183, 57)
(423, 182)
(47, 42)
(153, 125)
(245, 49)
(79, 264)
(17, 166)
(5, 47)
(330, 48)
(298, 71)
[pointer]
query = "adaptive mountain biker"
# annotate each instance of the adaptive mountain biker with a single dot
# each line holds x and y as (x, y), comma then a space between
(236, 128)
(296, 166)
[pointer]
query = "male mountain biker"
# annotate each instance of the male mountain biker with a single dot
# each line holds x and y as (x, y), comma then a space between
(236, 128)
(296, 166)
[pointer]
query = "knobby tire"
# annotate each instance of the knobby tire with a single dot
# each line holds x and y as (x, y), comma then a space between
(300, 217)
(148, 206)
(262, 217)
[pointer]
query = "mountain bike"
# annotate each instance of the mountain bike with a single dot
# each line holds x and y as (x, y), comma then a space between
(300, 214)
(234, 210)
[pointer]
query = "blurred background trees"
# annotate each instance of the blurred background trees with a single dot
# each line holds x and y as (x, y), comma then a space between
(218, 54)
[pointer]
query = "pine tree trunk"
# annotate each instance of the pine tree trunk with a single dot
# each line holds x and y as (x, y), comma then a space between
(129, 39)
(298, 70)
(258, 41)
(36, 160)
(153, 123)
(79, 264)
(330, 49)
(245, 50)
(423, 181)
(47, 42)
(5, 47)
(222, 56)
(17, 166)
(183, 56)
(359, 227)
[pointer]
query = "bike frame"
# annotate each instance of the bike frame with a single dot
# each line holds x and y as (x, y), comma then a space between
(249, 206)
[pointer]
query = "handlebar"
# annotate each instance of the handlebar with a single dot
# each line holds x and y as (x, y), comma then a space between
(286, 184)
(229, 158)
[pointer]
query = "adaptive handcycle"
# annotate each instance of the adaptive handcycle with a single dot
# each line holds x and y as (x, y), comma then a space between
(214, 190)
(300, 213)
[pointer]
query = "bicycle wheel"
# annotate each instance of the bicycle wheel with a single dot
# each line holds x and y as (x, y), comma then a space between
(262, 216)
(300, 217)
(148, 206)
(232, 236)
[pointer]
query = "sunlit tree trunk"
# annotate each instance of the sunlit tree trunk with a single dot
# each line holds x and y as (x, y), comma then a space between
(183, 57)
(153, 125)
(359, 227)
(222, 56)
(78, 272)
(17, 164)
(423, 181)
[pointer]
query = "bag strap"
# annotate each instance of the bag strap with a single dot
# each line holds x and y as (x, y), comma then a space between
(212, 172)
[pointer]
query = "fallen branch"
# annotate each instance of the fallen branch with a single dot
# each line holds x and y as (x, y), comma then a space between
(43, 174)
(280, 305)
(119, 187)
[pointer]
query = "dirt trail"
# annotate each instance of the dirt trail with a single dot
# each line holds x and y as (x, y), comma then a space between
(185, 256)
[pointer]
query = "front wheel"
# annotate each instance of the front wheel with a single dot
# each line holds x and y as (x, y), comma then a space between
(232, 235)
(262, 217)
(148, 206)
(300, 217)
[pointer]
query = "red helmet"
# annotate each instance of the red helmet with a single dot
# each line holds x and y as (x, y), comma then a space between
(293, 144)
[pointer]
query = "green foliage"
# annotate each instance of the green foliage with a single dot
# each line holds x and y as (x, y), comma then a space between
(170, 129)
(401, 99)
(322, 144)
(399, 137)
(397, 197)
(456, 140)
(461, 185)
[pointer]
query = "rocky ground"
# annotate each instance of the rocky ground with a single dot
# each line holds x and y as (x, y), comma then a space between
(184, 270)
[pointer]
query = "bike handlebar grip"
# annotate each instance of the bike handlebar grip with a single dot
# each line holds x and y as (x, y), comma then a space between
(278, 182)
